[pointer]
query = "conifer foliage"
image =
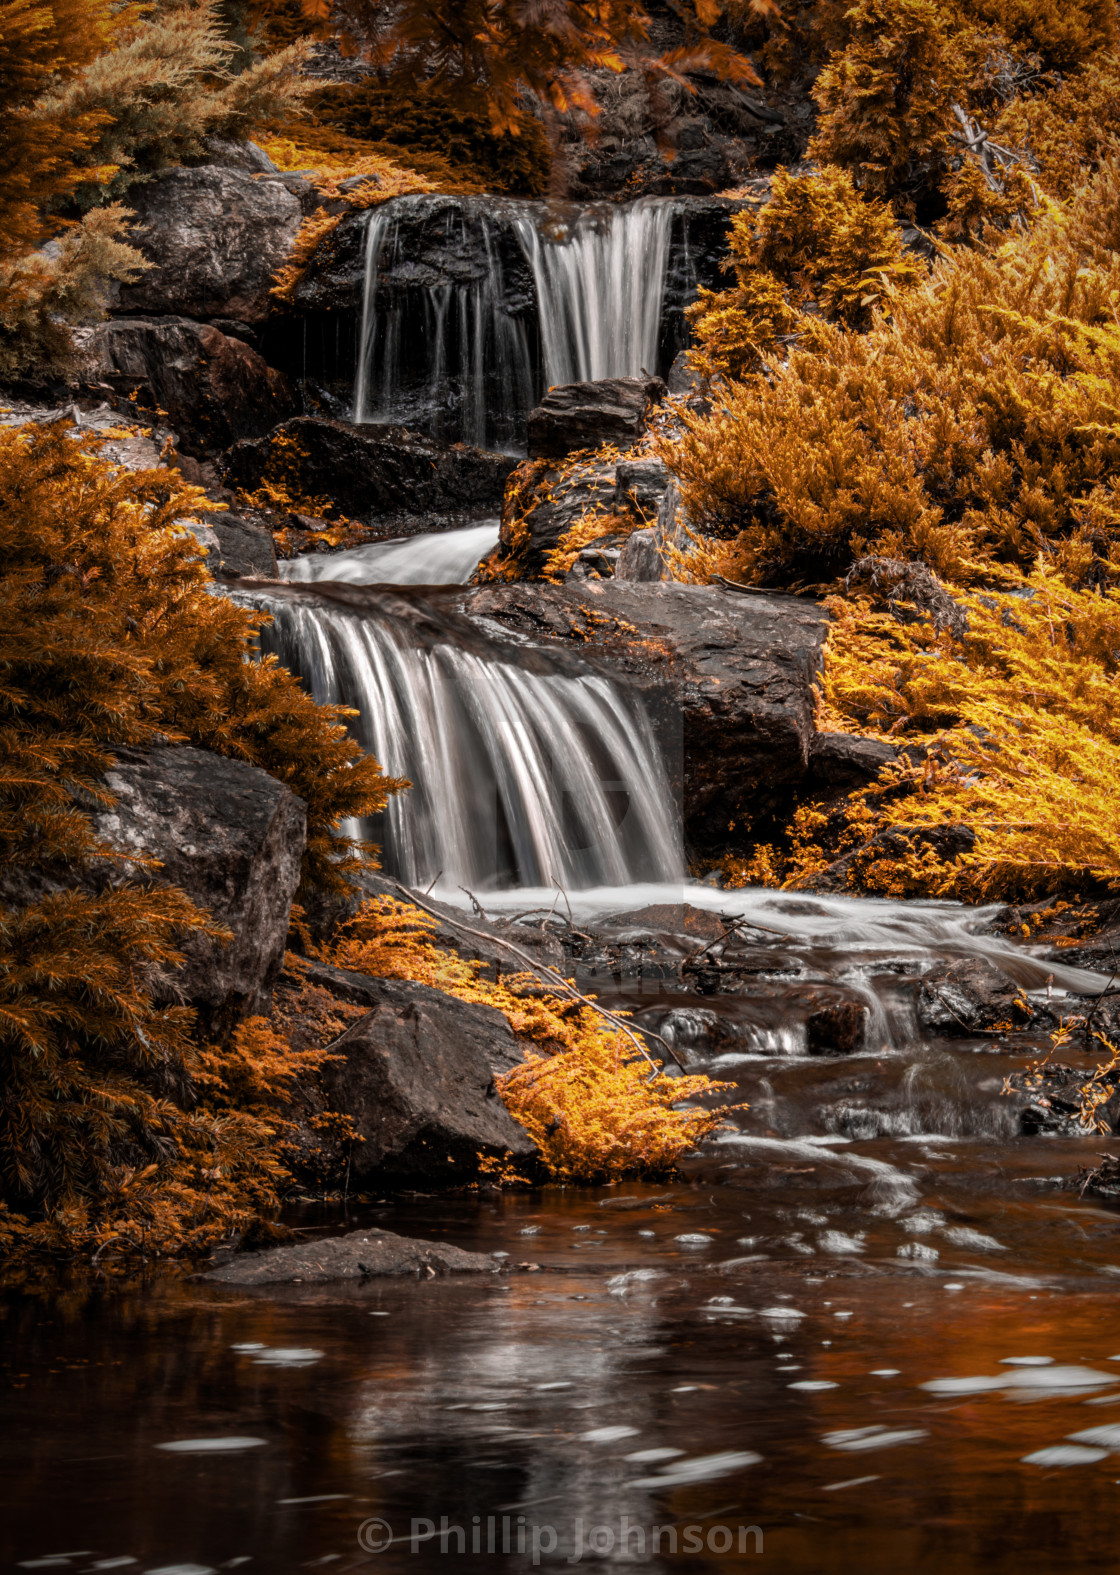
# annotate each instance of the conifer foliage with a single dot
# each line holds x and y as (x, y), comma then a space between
(110, 636)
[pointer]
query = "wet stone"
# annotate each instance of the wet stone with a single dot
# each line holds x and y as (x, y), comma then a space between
(837, 1029)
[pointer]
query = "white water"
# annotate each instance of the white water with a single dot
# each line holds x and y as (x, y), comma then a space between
(465, 356)
(444, 558)
(531, 781)
(521, 777)
(600, 282)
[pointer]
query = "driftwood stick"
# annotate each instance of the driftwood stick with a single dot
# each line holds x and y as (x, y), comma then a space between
(549, 976)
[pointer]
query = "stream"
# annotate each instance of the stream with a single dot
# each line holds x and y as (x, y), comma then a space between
(872, 1327)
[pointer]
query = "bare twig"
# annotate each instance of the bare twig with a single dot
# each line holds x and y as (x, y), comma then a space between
(432, 882)
(549, 976)
(475, 904)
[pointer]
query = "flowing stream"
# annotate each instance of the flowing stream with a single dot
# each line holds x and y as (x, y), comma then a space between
(872, 1328)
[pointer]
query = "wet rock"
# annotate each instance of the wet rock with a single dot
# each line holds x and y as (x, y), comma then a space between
(588, 415)
(228, 835)
(245, 548)
(728, 679)
(843, 762)
(640, 559)
(216, 236)
(837, 1028)
(973, 996)
(417, 1081)
(1053, 1101)
(371, 470)
(1099, 952)
(213, 389)
(359, 1255)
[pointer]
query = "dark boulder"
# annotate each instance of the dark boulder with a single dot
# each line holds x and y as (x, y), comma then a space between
(417, 1081)
(232, 838)
(729, 679)
(642, 484)
(842, 762)
(587, 415)
(245, 548)
(543, 501)
(974, 996)
(216, 237)
(213, 389)
(837, 1028)
(371, 470)
(359, 1255)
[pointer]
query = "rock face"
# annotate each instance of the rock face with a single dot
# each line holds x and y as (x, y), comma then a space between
(372, 470)
(734, 673)
(214, 389)
(545, 498)
(841, 761)
(232, 838)
(586, 415)
(357, 1256)
(216, 237)
(418, 1084)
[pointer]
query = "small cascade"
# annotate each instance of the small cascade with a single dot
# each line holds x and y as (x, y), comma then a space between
(445, 347)
(600, 284)
(472, 307)
(447, 558)
(522, 775)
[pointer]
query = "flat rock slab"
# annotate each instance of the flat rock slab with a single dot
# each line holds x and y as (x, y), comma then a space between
(358, 1256)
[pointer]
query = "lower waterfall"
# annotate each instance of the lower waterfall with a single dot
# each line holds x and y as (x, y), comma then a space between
(522, 776)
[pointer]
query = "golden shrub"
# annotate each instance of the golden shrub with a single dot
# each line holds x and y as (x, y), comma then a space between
(589, 1102)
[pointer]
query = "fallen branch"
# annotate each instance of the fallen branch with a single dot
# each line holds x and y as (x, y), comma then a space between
(549, 976)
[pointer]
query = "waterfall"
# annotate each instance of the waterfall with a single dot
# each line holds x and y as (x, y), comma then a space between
(600, 283)
(471, 307)
(448, 557)
(444, 344)
(522, 775)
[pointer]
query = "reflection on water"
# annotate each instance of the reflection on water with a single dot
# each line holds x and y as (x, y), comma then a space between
(759, 1346)
(871, 1329)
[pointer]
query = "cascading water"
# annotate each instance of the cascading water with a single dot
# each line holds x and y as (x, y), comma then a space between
(445, 349)
(447, 558)
(522, 776)
(470, 308)
(600, 283)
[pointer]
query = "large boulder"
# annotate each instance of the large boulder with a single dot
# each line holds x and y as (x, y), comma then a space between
(371, 470)
(232, 838)
(216, 236)
(416, 1079)
(212, 388)
(575, 416)
(732, 674)
(974, 996)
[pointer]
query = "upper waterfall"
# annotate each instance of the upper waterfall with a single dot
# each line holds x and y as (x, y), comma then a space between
(600, 282)
(472, 307)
